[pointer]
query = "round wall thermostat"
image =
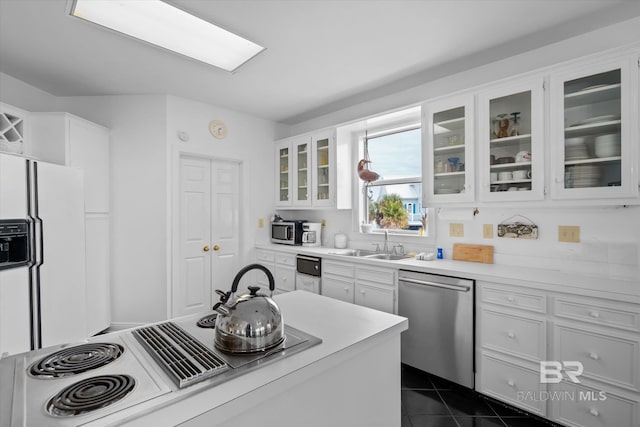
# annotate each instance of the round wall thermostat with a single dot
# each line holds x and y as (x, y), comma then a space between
(218, 129)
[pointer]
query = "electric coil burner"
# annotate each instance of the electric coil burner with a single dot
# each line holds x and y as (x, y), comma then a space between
(208, 321)
(90, 394)
(75, 360)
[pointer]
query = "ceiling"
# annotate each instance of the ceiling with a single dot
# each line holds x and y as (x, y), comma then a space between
(321, 55)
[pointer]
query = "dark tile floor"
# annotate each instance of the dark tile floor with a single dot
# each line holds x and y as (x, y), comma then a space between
(429, 401)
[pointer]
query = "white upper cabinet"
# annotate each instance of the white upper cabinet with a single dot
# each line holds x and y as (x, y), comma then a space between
(283, 173)
(306, 175)
(510, 137)
(448, 154)
(302, 175)
(323, 174)
(594, 129)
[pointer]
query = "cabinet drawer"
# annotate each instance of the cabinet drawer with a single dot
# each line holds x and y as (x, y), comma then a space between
(608, 358)
(285, 278)
(377, 297)
(593, 311)
(337, 289)
(286, 259)
(265, 256)
(513, 384)
(338, 268)
(585, 407)
(514, 298)
(519, 336)
(377, 275)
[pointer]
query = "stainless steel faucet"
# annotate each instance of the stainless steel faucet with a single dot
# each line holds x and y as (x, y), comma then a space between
(385, 248)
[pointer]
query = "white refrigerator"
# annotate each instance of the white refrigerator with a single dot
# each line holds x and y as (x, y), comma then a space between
(43, 303)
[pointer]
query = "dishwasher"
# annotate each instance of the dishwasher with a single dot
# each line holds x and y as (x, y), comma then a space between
(440, 337)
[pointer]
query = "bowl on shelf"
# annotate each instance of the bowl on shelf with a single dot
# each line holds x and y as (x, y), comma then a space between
(505, 160)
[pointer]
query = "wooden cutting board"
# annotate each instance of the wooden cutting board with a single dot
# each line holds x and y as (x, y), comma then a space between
(473, 253)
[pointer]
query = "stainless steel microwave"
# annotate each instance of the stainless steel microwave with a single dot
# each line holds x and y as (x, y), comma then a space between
(287, 232)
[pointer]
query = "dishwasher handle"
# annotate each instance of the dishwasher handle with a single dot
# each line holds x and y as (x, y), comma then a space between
(459, 288)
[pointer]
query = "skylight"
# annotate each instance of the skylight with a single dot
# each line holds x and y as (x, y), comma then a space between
(166, 26)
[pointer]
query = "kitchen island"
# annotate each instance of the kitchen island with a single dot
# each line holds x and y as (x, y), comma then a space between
(352, 378)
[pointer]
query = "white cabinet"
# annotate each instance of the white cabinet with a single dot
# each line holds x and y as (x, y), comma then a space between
(511, 139)
(305, 171)
(518, 327)
(376, 288)
(12, 129)
(338, 280)
(594, 129)
(448, 156)
(68, 140)
(282, 267)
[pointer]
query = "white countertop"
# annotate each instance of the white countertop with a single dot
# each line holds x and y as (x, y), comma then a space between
(345, 330)
(604, 285)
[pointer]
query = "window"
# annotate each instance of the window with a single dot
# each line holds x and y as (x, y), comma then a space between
(394, 200)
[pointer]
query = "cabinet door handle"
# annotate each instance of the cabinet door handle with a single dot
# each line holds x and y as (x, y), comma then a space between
(511, 334)
(346, 289)
(216, 247)
(511, 299)
(594, 356)
(206, 249)
(511, 383)
(594, 314)
(594, 412)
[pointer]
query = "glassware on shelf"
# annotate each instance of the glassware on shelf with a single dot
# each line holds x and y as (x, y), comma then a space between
(453, 162)
(515, 127)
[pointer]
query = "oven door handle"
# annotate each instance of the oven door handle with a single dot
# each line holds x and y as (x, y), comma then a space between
(308, 258)
(459, 288)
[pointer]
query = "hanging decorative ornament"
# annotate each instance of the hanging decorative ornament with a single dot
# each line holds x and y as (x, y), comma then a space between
(363, 165)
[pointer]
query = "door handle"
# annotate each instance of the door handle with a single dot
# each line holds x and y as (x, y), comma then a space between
(216, 247)
(206, 249)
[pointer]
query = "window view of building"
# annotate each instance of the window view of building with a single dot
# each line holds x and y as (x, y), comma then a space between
(394, 201)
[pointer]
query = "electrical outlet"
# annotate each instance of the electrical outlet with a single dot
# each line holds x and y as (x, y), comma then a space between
(456, 230)
(487, 231)
(324, 222)
(569, 233)
(260, 222)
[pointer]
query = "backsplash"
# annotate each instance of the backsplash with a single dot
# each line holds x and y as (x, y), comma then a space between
(609, 236)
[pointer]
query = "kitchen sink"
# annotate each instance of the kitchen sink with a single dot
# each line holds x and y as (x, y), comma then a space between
(363, 253)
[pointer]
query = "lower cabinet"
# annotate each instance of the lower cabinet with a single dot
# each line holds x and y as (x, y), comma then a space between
(376, 288)
(590, 346)
(338, 280)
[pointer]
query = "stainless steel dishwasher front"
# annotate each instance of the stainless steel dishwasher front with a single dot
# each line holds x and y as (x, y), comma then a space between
(440, 335)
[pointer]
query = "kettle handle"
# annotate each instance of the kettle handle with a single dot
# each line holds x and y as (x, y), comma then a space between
(236, 280)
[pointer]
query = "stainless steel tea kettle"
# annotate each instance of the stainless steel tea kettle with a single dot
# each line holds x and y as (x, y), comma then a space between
(251, 322)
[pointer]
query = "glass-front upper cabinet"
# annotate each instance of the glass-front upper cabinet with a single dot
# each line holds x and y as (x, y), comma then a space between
(448, 159)
(511, 141)
(323, 173)
(594, 130)
(302, 167)
(283, 168)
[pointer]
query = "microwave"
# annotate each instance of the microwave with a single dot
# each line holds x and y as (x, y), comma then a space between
(287, 232)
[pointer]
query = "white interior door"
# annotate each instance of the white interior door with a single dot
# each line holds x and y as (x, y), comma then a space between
(192, 290)
(225, 238)
(208, 233)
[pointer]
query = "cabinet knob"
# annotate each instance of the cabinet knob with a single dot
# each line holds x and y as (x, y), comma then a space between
(511, 299)
(594, 356)
(346, 289)
(594, 314)
(594, 412)
(559, 180)
(511, 383)
(216, 247)
(362, 292)
(511, 334)
(206, 249)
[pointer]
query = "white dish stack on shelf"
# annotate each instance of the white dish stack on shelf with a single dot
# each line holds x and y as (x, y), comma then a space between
(575, 149)
(607, 145)
(581, 176)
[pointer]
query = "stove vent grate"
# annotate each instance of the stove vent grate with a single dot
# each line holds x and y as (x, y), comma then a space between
(180, 355)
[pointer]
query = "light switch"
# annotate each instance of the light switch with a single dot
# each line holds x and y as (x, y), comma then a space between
(456, 230)
(569, 233)
(487, 231)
